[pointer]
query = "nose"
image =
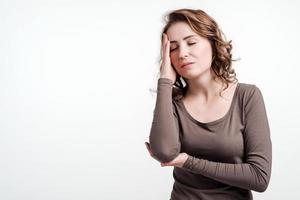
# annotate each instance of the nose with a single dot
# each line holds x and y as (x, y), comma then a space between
(183, 53)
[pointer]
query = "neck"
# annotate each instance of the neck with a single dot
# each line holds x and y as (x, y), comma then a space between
(204, 87)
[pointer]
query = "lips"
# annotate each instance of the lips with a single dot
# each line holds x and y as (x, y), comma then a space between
(184, 64)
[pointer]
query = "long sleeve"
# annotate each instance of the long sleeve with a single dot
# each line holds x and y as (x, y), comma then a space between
(255, 172)
(164, 134)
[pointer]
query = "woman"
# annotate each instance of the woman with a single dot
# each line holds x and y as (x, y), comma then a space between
(212, 129)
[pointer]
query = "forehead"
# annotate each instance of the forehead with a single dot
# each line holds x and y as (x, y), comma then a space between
(179, 30)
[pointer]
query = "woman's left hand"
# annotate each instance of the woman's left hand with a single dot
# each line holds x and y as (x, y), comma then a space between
(176, 162)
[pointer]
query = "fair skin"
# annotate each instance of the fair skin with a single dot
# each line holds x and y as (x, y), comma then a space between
(182, 45)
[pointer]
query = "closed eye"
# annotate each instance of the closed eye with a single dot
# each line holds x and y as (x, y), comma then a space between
(188, 44)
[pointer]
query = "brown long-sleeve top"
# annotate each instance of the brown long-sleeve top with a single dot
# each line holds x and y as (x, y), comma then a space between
(228, 157)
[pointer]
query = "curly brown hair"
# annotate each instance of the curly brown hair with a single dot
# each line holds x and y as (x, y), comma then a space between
(205, 26)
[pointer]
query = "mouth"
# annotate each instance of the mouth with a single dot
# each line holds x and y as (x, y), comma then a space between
(187, 64)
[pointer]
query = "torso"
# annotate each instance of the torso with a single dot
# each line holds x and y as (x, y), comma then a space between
(214, 109)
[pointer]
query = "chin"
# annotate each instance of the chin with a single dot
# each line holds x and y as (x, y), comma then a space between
(190, 74)
(195, 71)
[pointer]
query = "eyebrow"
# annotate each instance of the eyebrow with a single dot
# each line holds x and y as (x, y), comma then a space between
(173, 41)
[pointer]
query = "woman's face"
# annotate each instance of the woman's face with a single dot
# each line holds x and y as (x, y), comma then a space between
(186, 46)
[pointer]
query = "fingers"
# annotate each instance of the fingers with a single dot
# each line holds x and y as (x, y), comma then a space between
(166, 46)
(166, 61)
(163, 48)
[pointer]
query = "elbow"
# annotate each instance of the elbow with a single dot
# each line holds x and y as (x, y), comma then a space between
(165, 157)
(165, 154)
(261, 187)
(261, 177)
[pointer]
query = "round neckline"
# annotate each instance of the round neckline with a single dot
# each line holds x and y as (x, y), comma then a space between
(186, 112)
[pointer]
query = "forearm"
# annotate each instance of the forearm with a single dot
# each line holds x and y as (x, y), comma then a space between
(244, 175)
(164, 134)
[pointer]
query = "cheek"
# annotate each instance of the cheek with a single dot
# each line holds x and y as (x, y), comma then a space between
(174, 60)
(205, 52)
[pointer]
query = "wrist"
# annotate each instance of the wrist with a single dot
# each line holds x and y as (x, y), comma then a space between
(165, 80)
(185, 158)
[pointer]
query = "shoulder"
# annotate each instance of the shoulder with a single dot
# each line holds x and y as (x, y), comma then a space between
(248, 90)
(250, 95)
(248, 87)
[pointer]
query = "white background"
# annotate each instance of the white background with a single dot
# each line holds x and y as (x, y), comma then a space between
(75, 105)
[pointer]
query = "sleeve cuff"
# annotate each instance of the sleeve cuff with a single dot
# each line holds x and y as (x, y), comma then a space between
(165, 80)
